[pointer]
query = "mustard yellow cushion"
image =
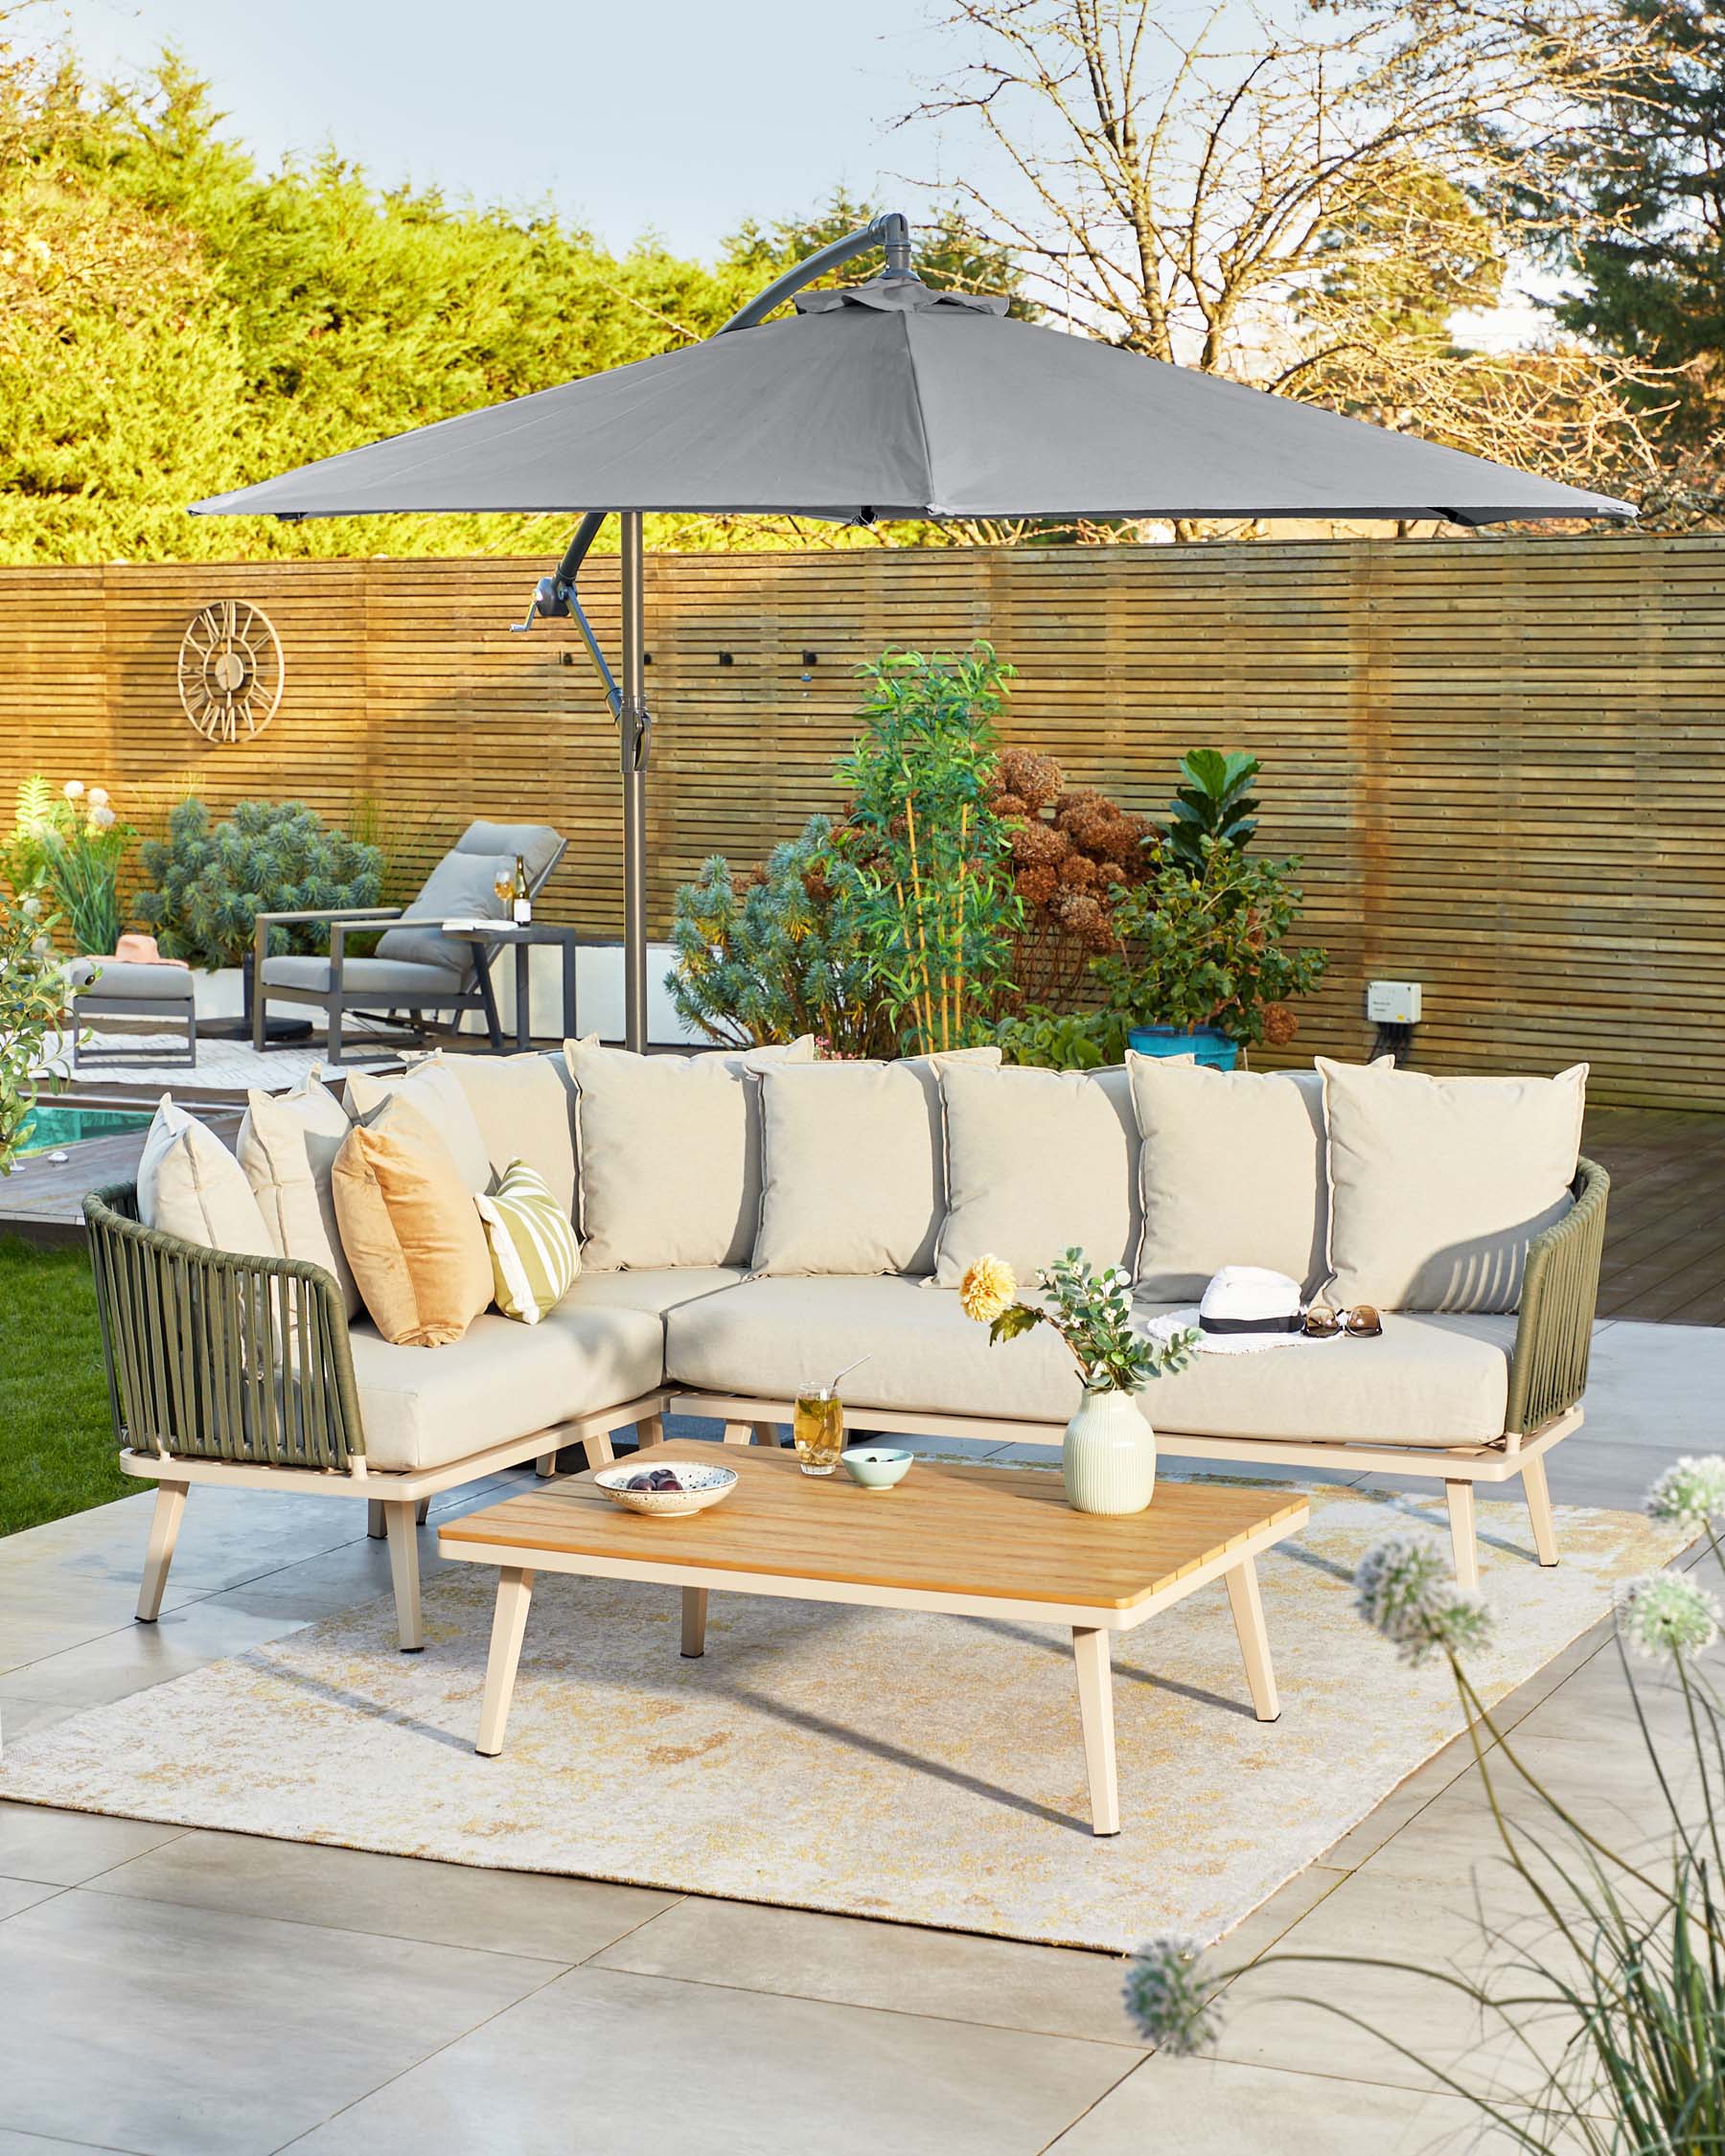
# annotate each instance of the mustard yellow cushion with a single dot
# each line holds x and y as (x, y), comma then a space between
(410, 1232)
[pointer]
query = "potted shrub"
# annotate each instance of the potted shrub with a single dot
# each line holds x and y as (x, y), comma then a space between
(1208, 969)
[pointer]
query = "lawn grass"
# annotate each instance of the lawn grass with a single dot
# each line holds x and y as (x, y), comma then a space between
(57, 1442)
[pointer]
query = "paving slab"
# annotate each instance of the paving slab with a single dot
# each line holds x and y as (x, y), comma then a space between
(65, 1848)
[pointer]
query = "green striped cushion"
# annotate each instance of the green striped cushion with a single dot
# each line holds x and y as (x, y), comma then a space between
(535, 1256)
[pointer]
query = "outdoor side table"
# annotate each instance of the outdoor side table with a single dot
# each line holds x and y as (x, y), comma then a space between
(485, 938)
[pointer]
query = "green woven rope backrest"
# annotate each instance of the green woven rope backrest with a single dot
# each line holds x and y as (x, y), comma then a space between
(1560, 1290)
(214, 1356)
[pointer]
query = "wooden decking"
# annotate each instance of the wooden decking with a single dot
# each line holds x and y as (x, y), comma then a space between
(1665, 1239)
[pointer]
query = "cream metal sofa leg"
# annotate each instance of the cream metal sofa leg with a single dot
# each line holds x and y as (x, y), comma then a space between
(767, 1433)
(422, 1512)
(600, 1451)
(649, 1430)
(404, 1572)
(1537, 1492)
(163, 1533)
(374, 1518)
(738, 1432)
(1466, 1549)
(1254, 1640)
(545, 1466)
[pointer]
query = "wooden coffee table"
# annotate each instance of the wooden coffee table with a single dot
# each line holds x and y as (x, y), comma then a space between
(962, 1541)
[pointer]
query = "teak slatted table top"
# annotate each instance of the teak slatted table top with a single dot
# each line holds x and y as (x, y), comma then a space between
(957, 1540)
(977, 1533)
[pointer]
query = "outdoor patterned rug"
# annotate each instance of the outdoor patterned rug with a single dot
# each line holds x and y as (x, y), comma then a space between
(926, 1769)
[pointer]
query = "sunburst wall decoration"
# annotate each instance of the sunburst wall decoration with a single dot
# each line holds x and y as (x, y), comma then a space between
(231, 671)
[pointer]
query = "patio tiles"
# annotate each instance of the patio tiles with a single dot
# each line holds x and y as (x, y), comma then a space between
(649, 2066)
(797, 1953)
(165, 2029)
(65, 1848)
(564, 1920)
(1218, 2108)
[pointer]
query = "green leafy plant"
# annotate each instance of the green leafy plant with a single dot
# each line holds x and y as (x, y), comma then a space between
(69, 843)
(33, 1002)
(771, 955)
(1062, 1040)
(1213, 803)
(1207, 947)
(212, 881)
(1623, 1968)
(1090, 1311)
(924, 858)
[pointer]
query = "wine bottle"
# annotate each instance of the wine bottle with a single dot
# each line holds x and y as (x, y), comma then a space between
(521, 909)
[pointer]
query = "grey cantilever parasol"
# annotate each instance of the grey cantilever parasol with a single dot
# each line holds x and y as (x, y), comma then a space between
(888, 401)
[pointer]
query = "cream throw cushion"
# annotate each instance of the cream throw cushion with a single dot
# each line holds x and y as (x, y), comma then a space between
(287, 1147)
(1438, 1184)
(410, 1230)
(436, 1093)
(1037, 1161)
(668, 1153)
(853, 1167)
(525, 1109)
(1230, 1172)
(191, 1185)
(534, 1254)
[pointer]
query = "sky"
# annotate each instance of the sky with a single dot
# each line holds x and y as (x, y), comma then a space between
(681, 116)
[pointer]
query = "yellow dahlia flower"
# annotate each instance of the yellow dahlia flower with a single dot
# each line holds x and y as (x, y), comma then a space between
(988, 1288)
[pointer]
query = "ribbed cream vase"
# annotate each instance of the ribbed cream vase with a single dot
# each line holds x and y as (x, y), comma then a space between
(1107, 1461)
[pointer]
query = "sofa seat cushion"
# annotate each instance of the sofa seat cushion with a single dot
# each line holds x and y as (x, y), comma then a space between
(367, 977)
(653, 1289)
(425, 1406)
(1428, 1380)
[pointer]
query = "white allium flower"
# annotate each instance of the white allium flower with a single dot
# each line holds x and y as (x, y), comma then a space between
(30, 908)
(1667, 1614)
(73, 787)
(1691, 1493)
(1166, 1996)
(99, 796)
(1404, 1588)
(102, 816)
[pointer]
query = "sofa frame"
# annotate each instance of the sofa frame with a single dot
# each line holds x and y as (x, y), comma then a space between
(196, 1343)
(1548, 1375)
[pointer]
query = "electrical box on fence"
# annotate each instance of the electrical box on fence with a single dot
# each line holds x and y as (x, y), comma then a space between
(1393, 1002)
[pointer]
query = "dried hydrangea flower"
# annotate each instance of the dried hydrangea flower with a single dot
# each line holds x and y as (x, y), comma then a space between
(988, 1288)
(1166, 1996)
(1691, 1493)
(1664, 1613)
(1403, 1588)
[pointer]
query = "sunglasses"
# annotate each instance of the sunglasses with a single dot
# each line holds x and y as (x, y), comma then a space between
(1362, 1322)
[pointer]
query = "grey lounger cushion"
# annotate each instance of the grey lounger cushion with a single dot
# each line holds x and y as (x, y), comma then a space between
(370, 976)
(120, 979)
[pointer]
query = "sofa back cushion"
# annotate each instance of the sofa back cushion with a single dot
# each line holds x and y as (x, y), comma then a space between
(287, 1147)
(668, 1153)
(410, 1229)
(431, 1086)
(1037, 1161)
(853, 1166)
(191, 1185)
(1437, 1186)
(524, 1106)
(1230, 1172)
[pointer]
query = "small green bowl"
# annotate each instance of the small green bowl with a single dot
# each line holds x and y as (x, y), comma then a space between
(876, 1467)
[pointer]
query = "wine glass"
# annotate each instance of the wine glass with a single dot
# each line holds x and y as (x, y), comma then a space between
(503, 883)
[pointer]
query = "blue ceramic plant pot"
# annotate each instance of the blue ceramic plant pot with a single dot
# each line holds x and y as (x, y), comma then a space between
(1203, 1042)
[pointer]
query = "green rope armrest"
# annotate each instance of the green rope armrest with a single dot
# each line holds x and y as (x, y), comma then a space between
(214, 1356)
(1560, 1290)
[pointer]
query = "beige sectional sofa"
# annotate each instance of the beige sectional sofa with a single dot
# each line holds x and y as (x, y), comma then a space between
(751, 1222)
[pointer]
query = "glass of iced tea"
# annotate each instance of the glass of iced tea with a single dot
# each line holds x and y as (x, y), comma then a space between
(817, 1431)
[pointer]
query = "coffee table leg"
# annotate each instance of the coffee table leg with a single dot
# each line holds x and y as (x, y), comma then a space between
(1095, 1710)
(1254, 1640)
(693, 1639)
(515, 1597)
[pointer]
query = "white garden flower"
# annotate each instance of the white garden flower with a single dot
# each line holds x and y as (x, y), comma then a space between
(1692, 1493)
(1404, 1587)
(1166, 1996)
(99, 796)
(73, 787)
(102, 816)
(1667, 1614)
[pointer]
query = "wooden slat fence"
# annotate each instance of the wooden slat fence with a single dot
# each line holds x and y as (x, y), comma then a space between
(1503, 761)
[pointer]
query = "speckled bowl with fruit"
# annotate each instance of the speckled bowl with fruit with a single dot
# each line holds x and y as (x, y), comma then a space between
(678, 1486)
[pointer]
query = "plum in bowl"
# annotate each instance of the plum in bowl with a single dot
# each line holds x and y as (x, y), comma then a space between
(678, 1486)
